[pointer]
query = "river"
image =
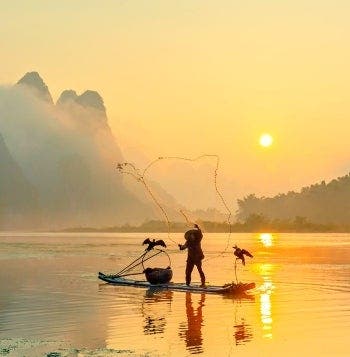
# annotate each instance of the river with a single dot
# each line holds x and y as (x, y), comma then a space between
(52, 301)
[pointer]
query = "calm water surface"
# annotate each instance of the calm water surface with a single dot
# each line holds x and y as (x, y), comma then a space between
(49, 291)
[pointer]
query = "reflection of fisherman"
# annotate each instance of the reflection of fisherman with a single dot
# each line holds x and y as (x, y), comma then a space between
(195, 255)
(193, 333)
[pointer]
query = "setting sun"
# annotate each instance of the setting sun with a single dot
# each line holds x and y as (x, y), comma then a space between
(266, 140)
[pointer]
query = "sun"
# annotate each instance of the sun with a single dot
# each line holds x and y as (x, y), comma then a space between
(266, 140)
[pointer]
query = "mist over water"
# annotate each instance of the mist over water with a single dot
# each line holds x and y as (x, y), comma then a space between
(258, 92)
(61, 164)
(59, 171)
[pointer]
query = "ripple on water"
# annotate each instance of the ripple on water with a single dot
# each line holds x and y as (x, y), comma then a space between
(302, 303)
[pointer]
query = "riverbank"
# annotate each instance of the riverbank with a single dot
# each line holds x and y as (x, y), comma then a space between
(253, 224)
(34, 348)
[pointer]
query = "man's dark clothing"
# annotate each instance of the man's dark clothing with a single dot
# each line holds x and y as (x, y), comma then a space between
(189, 267)
(195, 254)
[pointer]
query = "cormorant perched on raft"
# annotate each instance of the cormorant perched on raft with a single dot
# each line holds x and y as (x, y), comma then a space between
(240, 253)
(153, 243)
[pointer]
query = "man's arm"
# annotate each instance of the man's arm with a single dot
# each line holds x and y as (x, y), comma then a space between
(183, 246)
(200, 232)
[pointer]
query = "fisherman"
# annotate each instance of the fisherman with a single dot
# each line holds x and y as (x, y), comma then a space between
(195, 254)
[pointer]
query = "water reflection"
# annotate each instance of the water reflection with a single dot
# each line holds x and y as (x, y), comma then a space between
(192, 332)
(155, 317)
(157, 307)
(242, 332)
(266, 290)
(266, 239)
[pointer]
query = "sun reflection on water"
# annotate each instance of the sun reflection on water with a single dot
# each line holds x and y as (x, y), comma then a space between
(266, 290)
(266, 239)
(266, 313)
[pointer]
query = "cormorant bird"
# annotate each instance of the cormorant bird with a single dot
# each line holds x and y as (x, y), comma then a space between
(240, 253)
(153, 243)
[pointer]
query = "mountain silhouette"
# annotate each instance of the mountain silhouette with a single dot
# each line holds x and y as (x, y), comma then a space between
(67, 97)
(321, 203)
(18, 198)
(33, 81)
(59, 161)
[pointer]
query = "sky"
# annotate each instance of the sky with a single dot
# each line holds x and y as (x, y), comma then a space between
(195, 77)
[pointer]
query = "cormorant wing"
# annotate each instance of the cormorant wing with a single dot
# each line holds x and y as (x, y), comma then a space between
(161, 242)
(246, 253)
(146, 241)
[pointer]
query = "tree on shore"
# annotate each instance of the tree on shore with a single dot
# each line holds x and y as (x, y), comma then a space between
(319, 203)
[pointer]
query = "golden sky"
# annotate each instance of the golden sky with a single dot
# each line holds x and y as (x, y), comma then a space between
(189, 77)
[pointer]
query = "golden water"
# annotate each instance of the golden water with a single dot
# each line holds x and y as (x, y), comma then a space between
(49, 291)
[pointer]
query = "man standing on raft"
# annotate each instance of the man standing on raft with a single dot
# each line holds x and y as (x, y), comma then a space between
(195, 254)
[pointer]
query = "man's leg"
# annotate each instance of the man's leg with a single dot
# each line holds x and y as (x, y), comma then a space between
(201, 273)
(189, 268)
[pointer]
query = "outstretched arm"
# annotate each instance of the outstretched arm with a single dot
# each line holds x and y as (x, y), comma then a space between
(183, 246)
(200, 235)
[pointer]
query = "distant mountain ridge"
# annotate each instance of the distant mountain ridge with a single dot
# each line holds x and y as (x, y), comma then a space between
(35, 83)
(322, 203)
(58, 161)
(18, 198)
(89, 99)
